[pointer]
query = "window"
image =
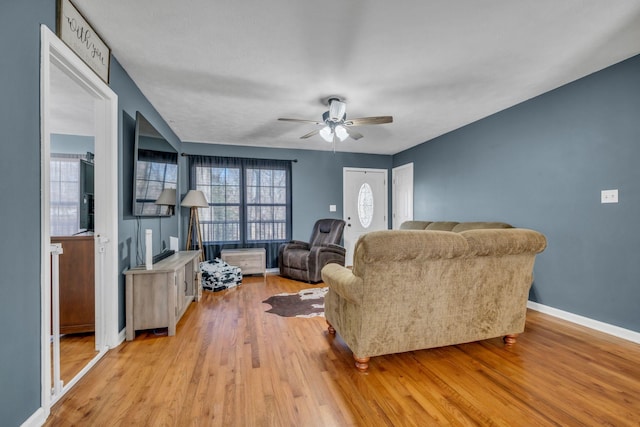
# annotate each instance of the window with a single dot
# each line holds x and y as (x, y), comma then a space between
(65, 194)
(155, 171)
(266, 202)
(365, 205)
(249, 202)
(221, 186)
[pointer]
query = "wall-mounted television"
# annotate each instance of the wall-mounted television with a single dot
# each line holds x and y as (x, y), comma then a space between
(155, 168)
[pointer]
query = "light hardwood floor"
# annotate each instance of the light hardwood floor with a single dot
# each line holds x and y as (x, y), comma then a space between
(76, 351)
(232, 364)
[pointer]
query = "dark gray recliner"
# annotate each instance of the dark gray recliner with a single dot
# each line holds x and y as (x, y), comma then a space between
(304, 261)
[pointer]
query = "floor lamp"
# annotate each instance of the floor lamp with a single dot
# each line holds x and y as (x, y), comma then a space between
(195, 199)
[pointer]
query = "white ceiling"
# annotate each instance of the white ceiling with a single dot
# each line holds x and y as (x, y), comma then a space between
(68, 106)
(224, 71)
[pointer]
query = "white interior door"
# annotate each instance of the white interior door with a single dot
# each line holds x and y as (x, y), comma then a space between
(60, 66)
(402, 194)
(365, 205)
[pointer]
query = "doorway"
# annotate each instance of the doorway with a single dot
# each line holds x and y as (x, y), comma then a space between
(365, 205)
(69, 87)
(402, 194)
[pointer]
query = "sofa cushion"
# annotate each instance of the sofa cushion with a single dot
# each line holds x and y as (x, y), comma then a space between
(414, 225)
(396, 245)
(442, 225)
(463, 226)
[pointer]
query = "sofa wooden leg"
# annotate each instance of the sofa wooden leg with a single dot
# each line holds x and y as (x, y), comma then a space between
(362, 363)
(510, 339)
(331, 329)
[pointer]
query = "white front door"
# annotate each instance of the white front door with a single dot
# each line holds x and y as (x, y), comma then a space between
(365, 205)
(402, 194)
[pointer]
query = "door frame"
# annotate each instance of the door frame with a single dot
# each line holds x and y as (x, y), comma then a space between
(55, 53)
(386, 191)
(394, 194)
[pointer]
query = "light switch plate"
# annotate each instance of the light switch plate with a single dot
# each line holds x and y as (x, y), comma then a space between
(332, 208)
(609, 196)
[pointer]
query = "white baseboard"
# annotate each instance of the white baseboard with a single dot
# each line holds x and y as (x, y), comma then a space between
(616, 331)
(36, 420)
(121, 337)
(273, 271)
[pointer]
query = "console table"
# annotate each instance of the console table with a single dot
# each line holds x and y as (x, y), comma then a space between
(158, 298)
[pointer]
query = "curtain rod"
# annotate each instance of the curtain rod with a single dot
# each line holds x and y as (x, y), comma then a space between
(204, 155)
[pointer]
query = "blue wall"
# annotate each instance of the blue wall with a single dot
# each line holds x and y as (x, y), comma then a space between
(20, 181)
(20, 219)
(130, 100)
(542, 165)
(72, 144)
(316, 178)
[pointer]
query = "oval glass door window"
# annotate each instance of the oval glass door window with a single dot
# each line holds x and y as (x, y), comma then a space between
(365, 205)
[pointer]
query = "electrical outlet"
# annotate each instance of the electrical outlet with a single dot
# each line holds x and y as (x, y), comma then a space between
(609, 196)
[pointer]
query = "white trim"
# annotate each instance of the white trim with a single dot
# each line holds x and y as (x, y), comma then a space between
(394, 195)
(54, 51)
(36, 419)
(607, 328)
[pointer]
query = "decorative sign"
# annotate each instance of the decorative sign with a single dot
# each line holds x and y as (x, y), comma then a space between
(76, 32)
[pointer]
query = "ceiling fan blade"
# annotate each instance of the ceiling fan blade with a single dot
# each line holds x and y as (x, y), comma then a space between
(353, 134)
(379, 120)
(302, 121)
(310, 134)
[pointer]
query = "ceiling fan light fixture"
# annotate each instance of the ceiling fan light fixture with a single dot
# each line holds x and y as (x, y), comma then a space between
(341, 132)
(337, 110)
(334, 125)
(326, 134)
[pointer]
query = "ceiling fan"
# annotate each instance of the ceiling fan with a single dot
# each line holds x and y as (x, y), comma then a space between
(335, 125)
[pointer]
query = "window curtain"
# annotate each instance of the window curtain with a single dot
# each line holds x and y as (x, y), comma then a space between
(249, 203)
(157, 156)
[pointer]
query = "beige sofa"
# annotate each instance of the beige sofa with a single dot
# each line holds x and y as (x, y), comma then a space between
(432, 284)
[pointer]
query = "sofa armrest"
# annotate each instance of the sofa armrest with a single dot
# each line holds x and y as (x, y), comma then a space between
(297, 244)
(331, 247)
(508, 241)
(342, 281)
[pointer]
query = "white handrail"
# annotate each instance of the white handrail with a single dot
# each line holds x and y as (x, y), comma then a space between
(56, 251)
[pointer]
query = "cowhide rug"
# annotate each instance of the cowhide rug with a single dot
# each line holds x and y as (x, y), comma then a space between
(306, 303)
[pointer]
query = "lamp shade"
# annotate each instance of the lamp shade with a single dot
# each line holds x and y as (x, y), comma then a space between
(326, 134)
(167, 197)
(341, 133)
(194, 198)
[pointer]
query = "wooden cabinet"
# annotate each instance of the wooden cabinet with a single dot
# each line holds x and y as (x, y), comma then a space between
(250, 260)
(77, 284)
(158, 298)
